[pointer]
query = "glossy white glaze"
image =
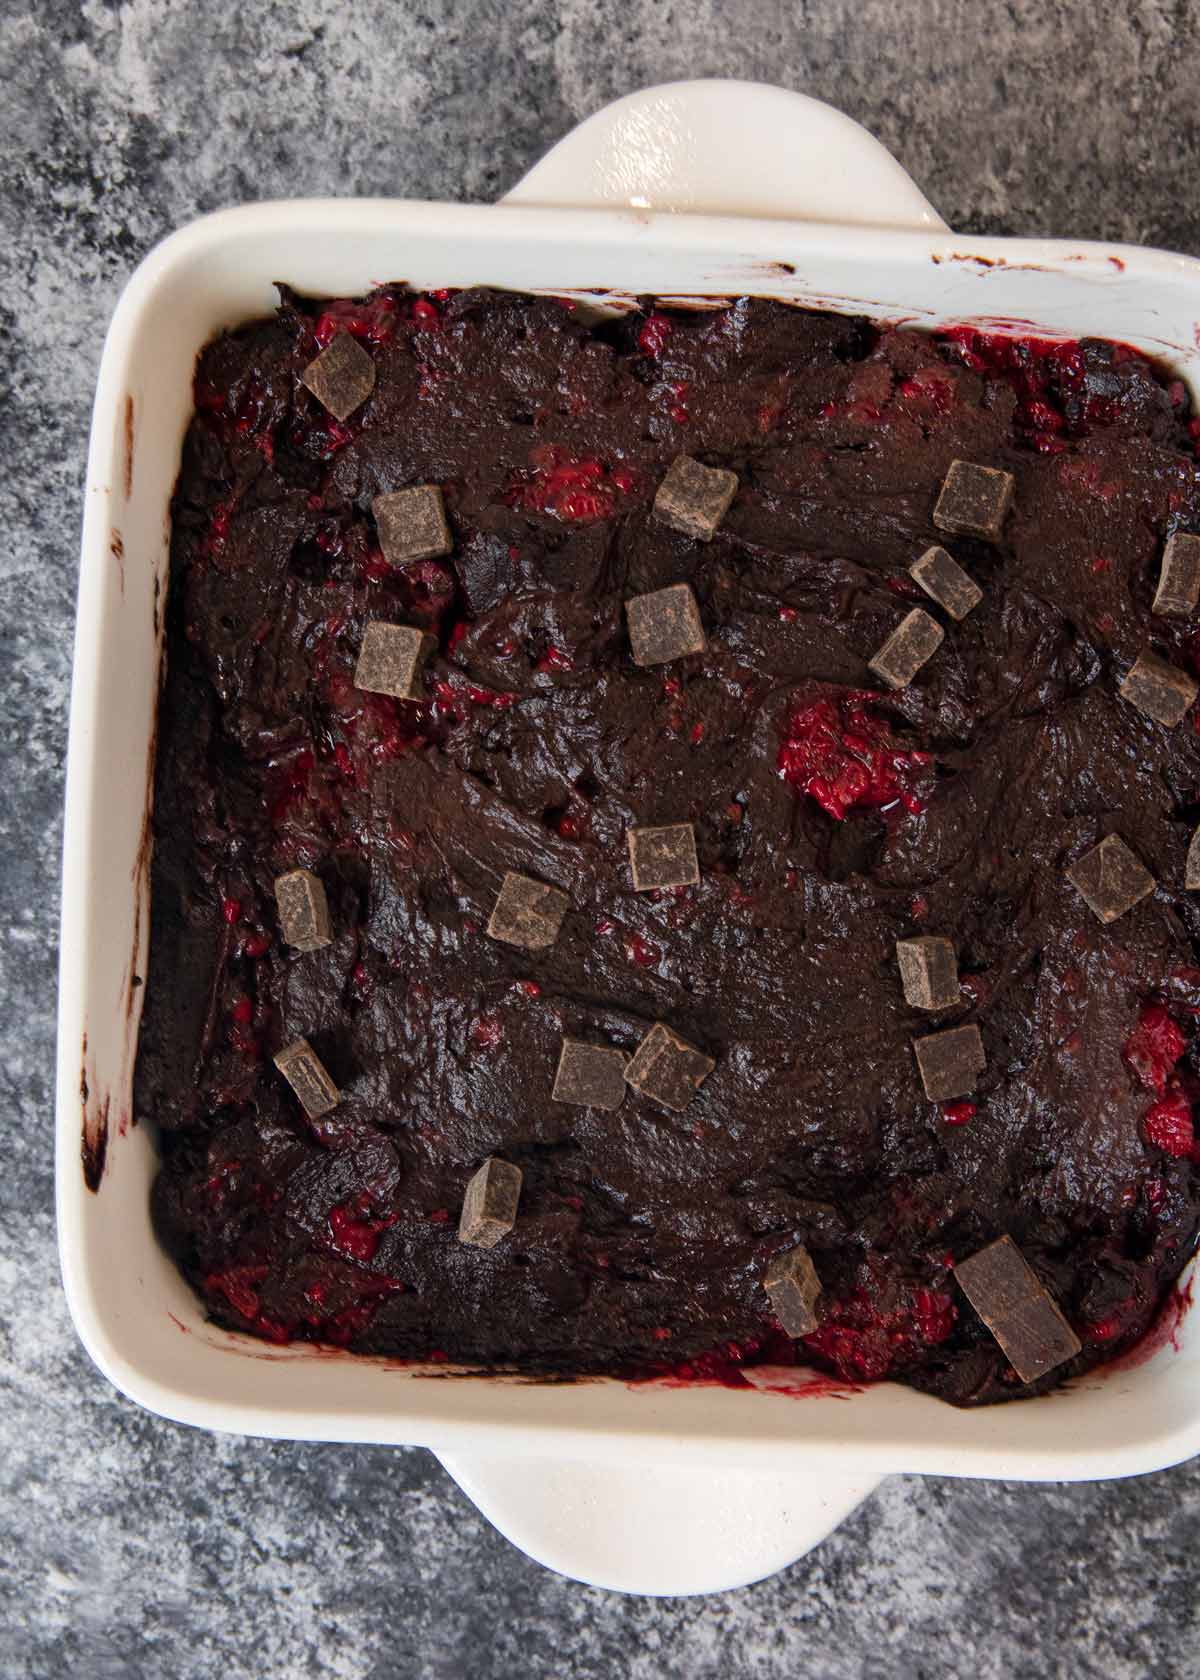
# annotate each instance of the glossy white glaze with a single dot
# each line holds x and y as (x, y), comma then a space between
(721, 148)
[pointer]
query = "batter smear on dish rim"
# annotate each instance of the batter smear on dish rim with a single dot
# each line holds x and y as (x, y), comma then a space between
(534, 1110)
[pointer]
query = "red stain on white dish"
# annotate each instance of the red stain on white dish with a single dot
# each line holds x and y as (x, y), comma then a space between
(798, 1382)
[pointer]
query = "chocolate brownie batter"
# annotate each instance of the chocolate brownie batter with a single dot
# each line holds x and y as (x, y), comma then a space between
(830, 820)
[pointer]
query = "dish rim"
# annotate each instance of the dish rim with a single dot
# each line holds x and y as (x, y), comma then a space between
(541, 1426)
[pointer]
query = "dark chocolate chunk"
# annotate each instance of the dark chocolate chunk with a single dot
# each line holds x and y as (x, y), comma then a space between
(1191, 874)
(1162, 691)
(303, 910)
(928, 972)
(792, 1284)
(694, 498)
(412, 524)
(944, 581)
(973, 501)
(342, 377)
(663, 857)
(664, 625)
(914, 640)
(527, 912)
(305, 1073)
(390, 660)
(950, 1062)
(489, 1209)
(668, 1068)
(1017, 1308)
(1111, 878)
(1179, 576)
(589, 1075)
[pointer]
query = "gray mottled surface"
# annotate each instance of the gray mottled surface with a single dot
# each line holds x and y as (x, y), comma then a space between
(128, 1547)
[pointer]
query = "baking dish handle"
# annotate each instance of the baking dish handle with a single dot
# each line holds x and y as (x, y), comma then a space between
(654, 1528)
(728, 148)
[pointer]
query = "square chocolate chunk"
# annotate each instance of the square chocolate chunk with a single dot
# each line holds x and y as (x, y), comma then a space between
(589, 1075)
(412, 524)
(944, 581)
(950, 1062)
(528, 912)
(928, 972)
(305, 1073)
(342, 377)
(1163, 692)
(1191, 874)
(1179, 576)
(1017, 1308)
(663, 857)
(914, 640)
(303, 910)
(1111, 878)
(489, 1209)
(390, 660)
(664, 625)
(694, 498)
(668, 1068)
(792, 1284)
(973, 501)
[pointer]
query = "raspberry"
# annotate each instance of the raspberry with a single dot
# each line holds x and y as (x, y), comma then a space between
(842, 755)
(1153, 1047)
(656, 330)
(1168, 1126)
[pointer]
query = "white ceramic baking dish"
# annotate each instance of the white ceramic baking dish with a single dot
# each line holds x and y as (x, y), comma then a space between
(695, 189)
